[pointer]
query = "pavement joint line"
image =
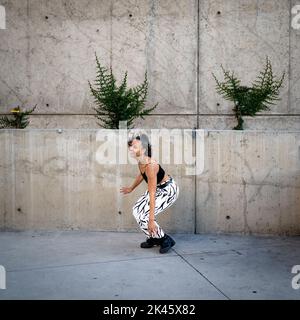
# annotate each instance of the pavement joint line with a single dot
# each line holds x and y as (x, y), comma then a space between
(202, 275)
(87, 263)
(237, 249)
(209, 252)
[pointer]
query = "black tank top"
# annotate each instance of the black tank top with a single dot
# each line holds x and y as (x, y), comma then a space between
(160, 174)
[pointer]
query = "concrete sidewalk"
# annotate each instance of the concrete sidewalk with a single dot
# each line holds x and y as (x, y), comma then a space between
(111, 265)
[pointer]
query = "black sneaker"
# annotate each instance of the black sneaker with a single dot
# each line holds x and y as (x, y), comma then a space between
(149, 243)
(166, 243)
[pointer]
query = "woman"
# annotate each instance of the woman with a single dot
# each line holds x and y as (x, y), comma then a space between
(162, 192)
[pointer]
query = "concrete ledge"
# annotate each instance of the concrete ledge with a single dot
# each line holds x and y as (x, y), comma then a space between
(250, 184)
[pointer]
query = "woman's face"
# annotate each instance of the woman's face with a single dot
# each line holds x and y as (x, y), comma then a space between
(136, 149)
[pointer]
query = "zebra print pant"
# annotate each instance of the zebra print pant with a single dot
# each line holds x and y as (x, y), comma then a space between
(164, 198)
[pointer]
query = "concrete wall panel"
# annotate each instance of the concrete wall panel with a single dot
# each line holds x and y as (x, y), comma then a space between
(250, 184)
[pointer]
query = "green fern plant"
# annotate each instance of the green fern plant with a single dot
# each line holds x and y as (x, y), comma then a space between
(20, 119)
(117, 103)
(250, 100)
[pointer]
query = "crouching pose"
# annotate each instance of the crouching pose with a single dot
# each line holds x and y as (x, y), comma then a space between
(162, 192)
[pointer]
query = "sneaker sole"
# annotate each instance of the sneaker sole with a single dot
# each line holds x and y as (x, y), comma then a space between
(146, 246)
(164, 250)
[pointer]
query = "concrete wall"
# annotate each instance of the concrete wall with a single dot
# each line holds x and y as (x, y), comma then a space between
(250, 184)
(47, 56)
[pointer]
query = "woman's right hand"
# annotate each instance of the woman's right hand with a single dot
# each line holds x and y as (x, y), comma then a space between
(126, 190)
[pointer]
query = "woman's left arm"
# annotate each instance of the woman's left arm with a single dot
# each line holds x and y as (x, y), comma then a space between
(152, 182)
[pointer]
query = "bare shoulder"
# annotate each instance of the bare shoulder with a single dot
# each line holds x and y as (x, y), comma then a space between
(152, 167)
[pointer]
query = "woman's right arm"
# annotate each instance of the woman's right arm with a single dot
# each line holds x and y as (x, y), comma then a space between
(137, 181)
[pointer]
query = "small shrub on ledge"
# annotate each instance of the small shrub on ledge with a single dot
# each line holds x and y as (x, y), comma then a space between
(250, 100)
(19, 120)
(117, 103)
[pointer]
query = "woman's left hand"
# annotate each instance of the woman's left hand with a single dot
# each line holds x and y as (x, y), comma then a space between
(152, 227)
